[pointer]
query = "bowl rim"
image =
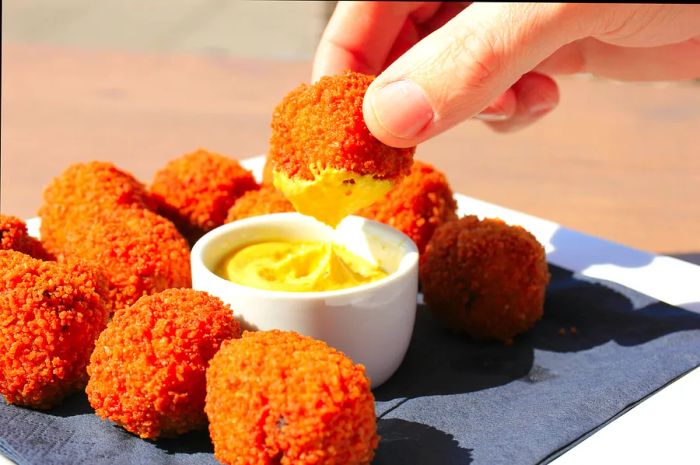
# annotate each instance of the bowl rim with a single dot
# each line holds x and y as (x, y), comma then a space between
(409, 260)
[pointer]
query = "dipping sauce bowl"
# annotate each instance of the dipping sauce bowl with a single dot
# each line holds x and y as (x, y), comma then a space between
(371, 323)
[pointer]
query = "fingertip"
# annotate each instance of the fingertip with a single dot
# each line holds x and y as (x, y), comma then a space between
(503, 108)
(536, 95)
(397, 113)
(329, 61)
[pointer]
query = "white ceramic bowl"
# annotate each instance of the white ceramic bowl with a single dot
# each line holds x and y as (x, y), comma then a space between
(371, 323)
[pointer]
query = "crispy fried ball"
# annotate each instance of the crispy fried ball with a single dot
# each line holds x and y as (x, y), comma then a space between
(82, 190)
(147, 372)
(196, 190)
(275, 397)
(322, 124)
(263, 201)
(97, 213)
(50, 316)
(14, 236)
(140, 252)
(484, 278)
(419, 204)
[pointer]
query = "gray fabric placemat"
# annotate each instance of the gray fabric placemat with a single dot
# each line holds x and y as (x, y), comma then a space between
(452, 401)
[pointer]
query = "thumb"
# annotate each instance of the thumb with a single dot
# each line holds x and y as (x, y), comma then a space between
(459, 69)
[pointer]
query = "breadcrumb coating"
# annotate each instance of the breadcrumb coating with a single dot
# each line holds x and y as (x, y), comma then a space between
(100, 214)
(82, 190)
(484, 278)
(276, 397)
(14, 236)
(418, 205)
(263, 201)
(195, 191)
(147, 372)
(139, 252)
(322, 125)
(50, 316)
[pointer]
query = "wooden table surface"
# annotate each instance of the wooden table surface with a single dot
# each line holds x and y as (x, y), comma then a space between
(619, 161)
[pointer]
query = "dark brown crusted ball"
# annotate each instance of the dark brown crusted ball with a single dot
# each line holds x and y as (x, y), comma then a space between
(147, 372)
(485, 278)
(50, 316)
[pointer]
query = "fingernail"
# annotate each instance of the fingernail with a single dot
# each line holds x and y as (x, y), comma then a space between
(541, 107)
(491, 117)
(402, 108)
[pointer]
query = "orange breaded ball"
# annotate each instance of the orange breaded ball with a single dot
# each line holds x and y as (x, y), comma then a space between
(276, 397)
(147, 372)
(196, 190)
(82, 190)
(418, 205)
(14, 236)
(322, 125)
(139, 252)
(484, 278)
(264, 201)
(50, 316)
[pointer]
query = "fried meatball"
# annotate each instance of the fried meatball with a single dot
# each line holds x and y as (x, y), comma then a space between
(264, 201)
(50, 316)
(323, 157)
(484, 277)
(139, 252)
(82, 190)
(147, 372)
(195, 191)
(14, 236)
(419, 204)
(275, 397)
(322, 125)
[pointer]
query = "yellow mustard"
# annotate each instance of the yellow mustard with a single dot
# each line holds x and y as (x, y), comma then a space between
(297, 267)
(333, 194)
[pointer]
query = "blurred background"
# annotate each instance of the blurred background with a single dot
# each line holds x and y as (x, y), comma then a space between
(140, 83)
(277, 30)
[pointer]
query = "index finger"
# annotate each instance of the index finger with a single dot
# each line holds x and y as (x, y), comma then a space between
(360, 35)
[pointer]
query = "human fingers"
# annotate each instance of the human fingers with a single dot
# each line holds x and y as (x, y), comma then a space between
(534, 96)
(360, 35)
(456, 72)
(420, 24)
(667, 62)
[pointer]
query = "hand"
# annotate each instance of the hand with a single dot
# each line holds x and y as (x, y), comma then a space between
(442, 63)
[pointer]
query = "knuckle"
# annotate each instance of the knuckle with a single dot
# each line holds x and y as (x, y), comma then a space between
(476, 58)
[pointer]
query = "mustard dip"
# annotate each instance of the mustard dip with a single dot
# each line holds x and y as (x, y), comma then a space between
(332, 194)
(297, 267)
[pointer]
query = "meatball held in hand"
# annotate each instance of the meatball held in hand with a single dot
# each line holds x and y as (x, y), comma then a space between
(324, 158)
